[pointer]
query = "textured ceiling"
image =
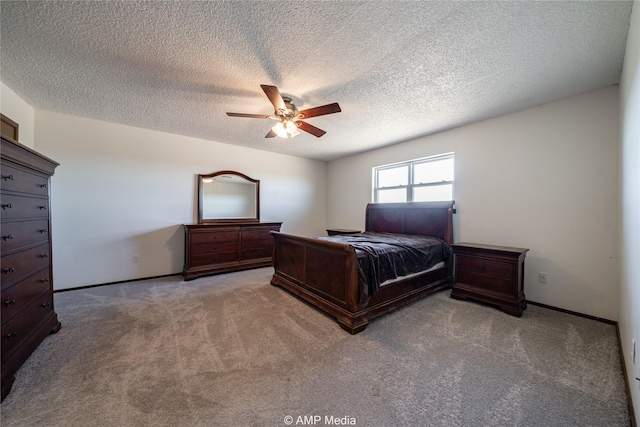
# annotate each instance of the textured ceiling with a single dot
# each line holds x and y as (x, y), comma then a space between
(399, 70)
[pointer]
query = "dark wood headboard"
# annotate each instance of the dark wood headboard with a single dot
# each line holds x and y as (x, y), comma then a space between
(420, 218)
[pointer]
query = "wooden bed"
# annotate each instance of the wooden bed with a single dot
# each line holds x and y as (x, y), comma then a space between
(325, 274)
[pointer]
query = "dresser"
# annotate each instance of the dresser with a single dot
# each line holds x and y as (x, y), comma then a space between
(491, 274)
(26, 279)
(222, 247)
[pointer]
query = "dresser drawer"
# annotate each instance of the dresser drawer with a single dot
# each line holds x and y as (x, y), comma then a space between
(16, 235)
(214, 258)
(210, 248)
(247, 254)
(17, 266)
(257, 243)
(264, 234)
(21, 325)
(217, 237)
(484, 282)
(15, 179)
(14, 206)
(484, 266)
(17, 297)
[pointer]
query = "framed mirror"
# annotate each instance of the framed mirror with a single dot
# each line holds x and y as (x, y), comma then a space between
(228, 196)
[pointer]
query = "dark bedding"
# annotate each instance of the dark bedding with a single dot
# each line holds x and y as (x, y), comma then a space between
(386, 256)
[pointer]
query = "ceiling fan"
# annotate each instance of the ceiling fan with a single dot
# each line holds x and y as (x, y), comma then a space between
(288, 117)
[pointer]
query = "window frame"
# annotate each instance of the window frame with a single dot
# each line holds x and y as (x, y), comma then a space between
(411, 176)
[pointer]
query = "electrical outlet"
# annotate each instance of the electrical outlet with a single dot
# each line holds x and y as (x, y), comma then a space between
(135, 259)
(542, 277)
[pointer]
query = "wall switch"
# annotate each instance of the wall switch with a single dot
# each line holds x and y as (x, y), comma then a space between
(542, 277)
(135, 259)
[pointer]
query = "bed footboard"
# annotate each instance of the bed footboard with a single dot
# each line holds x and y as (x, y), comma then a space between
(325, 274)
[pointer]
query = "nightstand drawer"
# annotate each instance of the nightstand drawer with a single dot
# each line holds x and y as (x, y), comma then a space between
(484, 266)
(489, 283)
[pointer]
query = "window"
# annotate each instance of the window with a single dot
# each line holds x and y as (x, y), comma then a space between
(423, 180)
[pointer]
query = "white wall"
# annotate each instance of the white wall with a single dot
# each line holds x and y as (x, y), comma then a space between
(545, 179)
(15, 108)
(122, 191)
(629, 322)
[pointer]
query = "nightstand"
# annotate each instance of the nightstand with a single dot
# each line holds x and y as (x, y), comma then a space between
(491, 274)
(336, 231)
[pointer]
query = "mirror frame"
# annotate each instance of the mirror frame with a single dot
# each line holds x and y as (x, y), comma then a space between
(202, 220)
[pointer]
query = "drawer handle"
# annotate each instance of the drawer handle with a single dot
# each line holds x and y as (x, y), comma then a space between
(44, 230)
(7, 177)
(7, 206)
(9, 302)
(43, 185)
(8, 237)
(45, 305)
(12, 335)
(43, 207)
(44, 280)
(44, 256)
(8, 270)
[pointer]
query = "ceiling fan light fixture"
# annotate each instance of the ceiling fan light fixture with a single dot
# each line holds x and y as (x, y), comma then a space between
(286, 129)
(292, 128)
(290, 120)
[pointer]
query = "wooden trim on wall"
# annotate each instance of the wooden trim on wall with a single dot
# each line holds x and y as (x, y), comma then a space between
(626, 380)
(575, 313)
(9, 128)
(77, 288)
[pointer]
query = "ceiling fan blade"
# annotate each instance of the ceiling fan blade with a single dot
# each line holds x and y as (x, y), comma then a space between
(320, 111)
(274, 96)
(310, 129)
(254, 116)
(271, 134)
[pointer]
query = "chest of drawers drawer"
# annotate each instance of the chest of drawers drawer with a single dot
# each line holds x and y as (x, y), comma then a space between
(21, 234)
(20, 180)
(20, 326)
(16, 298)
(18, 265)
(18, 206)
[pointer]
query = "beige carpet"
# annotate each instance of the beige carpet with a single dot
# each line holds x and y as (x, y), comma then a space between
(231, 350)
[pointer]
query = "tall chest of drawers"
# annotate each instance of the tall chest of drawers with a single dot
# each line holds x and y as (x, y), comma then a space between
(26, 278)
(224, 247)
